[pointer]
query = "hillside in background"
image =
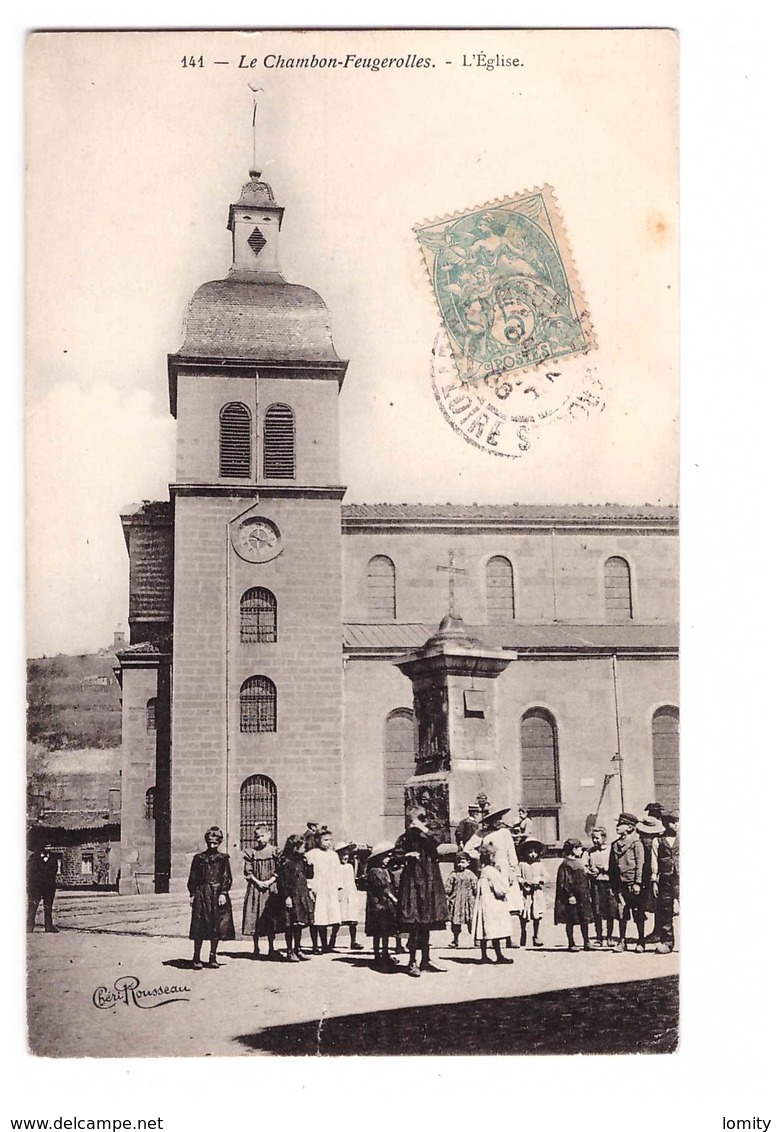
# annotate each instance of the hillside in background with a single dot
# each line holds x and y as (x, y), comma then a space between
(73, 702)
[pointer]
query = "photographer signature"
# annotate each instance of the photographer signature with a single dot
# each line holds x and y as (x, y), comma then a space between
(128, 991)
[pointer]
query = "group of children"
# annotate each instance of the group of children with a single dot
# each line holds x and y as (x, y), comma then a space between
(498, 881)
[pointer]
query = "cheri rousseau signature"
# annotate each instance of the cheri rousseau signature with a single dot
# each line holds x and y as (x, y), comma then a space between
(127, 991)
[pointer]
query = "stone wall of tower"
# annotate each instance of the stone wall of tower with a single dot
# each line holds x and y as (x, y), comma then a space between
(139, 774)
(211, 757)
(202, 395)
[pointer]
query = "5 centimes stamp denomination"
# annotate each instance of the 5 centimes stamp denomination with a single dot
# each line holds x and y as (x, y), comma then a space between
(506, 286)
(502, 414)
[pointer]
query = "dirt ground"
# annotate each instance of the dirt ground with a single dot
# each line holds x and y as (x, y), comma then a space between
(117, 981)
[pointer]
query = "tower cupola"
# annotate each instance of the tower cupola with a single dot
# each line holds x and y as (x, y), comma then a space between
(255, 220)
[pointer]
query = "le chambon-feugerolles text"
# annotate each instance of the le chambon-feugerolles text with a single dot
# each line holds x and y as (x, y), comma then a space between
(351, 61)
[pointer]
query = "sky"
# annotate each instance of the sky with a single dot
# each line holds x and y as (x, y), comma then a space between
(132, 161)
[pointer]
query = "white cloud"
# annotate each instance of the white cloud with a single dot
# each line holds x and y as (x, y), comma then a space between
(90, 451)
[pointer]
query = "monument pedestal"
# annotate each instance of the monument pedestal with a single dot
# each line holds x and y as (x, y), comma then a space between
(454, 692)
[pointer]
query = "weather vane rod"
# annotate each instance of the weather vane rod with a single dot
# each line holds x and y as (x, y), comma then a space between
(255, 91)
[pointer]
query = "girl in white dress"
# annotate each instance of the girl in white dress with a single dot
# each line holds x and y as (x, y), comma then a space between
(325, 884)
(491, 921)
(498, 837)
(348, 893)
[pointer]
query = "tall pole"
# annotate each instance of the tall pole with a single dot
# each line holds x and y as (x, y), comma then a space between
(618, 758)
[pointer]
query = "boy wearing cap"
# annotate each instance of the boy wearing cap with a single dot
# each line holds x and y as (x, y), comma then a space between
(665, 882)
(625, 868)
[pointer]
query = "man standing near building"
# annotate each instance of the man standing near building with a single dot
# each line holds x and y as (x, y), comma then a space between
(469, 825)
(41, 886)
(664, 880)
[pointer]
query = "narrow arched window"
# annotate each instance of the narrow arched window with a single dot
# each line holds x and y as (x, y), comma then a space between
(500, 593)
(151, 714)
(540, 790)
(664, 742)
(149, 804)
(235, 441)
(279, 443)
(257, 806)
(618, 590)
(381, 579)
(258, 616)
(258, 704)
(399, 759)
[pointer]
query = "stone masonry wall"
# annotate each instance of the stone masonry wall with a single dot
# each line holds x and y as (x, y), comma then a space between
(200, 399)
(210, 756)
(576, 559)
(577, 692)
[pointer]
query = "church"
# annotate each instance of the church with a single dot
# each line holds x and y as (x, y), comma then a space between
(293, 658)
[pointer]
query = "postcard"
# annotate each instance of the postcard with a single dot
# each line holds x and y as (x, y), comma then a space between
(352, 397)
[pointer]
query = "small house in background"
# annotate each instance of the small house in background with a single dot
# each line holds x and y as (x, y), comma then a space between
(74, 809)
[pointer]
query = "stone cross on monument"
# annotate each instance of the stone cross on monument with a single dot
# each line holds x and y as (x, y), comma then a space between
(452, 570)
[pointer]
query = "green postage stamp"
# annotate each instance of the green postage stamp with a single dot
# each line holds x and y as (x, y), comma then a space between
(506, 286)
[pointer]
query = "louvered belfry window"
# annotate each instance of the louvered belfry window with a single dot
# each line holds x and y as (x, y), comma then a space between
(258, 704)
(235, 441)
(258, 616)
(279, 443)
(381, 583)
(151, 714)
(618, 590)
(500, 596)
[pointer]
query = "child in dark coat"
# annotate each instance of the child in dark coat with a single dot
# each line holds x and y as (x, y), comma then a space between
(209, 884)
(422, 900)
(381, 903)
(573, 899)
(293, 889)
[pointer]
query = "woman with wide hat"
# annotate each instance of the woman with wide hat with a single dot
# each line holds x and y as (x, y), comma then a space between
(497, 836)
(422, 899)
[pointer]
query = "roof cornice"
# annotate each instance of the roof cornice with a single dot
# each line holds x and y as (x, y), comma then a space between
(246, 367)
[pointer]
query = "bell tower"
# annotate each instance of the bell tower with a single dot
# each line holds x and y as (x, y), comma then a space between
(256, 728)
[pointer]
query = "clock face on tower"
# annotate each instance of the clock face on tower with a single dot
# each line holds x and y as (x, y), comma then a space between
(257, 540)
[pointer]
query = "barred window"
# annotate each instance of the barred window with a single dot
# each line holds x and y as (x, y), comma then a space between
(257, 806)
(618, 590)
(279, 443)
(151, 714)
(258, 703)
(381, 578)
(235, 440)
(500, 603)
(258, 616)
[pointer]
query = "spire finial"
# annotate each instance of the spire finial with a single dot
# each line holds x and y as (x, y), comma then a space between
(256, 90)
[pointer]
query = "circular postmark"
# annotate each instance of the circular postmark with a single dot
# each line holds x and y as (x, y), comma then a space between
(503, 413)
